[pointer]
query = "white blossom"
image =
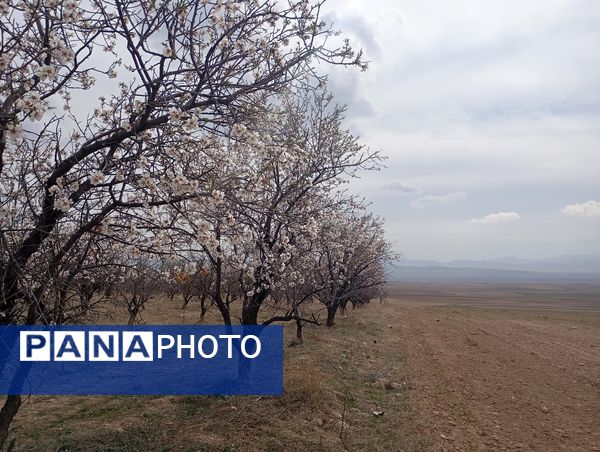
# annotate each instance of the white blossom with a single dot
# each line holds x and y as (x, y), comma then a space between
(71, 11)
(132, 232)
(146, 181)
(33, 105)
(126, 125)
(87, 81)
(311, 228)
(182, 184)
(175, 115)
(96, 177)
(217, 196)
(4, 61)
(190, 268)
(14, 131)
(46, 72)
(104, 226)
(171, 151)
(168, 51)
(62, 203)
(238, 130)
(62, 53)
(191, 124)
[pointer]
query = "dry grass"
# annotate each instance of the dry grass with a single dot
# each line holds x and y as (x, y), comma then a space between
(333, 383)
(305, 388)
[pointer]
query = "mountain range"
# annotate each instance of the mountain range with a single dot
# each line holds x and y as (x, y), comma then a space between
(566, 268)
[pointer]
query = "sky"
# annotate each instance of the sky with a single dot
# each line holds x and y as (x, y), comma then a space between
(489, 114)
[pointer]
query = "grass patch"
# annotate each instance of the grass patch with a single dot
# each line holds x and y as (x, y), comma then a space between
(303, 387)
(146, 436)
(193, 405)
(328, 377)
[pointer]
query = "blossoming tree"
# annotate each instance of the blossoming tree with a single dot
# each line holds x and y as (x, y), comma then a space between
(172, 80)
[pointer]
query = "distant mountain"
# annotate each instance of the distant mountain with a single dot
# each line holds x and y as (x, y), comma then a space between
(507, 269)
(559, 264)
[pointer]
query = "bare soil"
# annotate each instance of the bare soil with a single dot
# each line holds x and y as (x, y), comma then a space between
(506, 379)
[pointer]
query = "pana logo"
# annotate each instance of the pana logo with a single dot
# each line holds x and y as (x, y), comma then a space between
(131, 346)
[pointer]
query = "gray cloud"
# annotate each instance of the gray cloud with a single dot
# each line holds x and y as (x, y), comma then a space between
(500, 99)
(357, 26)
(403, 189)
(437, 200)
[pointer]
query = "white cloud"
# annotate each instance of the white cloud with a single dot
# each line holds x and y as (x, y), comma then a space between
(496, 217)
(404, 189)
(437, 200)
(585, 209)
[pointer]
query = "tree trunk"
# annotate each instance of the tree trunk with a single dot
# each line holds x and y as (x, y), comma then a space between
(132, 316)
(331, 311)
(299, 330)
(9, 278)
(251, 308)
(218, 298)
(85, 300)
(250, 314)
(223, 308)
(7, 414)
(203, 307)
(13, 402)
(59, 315)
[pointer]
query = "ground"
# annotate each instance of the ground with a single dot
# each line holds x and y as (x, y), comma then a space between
(458, 367)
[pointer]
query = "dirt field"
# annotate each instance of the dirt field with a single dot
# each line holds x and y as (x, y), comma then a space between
(451, 367)
(509, 378)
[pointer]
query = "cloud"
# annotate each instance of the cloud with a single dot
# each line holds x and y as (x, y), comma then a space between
(403, 189)
(584, 210)
(496, 217)
(482, 97)
(437, 200)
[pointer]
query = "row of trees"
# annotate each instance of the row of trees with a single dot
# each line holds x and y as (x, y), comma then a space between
(212, 164)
